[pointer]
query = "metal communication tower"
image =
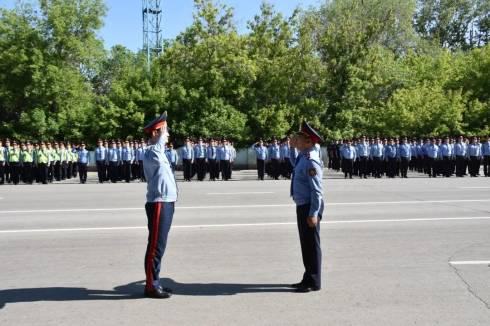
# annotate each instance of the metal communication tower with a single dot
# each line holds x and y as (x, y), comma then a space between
(152, 28)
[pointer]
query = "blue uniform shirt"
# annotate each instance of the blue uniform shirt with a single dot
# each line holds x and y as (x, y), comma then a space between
(474, 150)
(485, 148)
(405, 151)
(187, 153)
(446, 150)
(161, 185)
(285, 150)
(140, 153)
(306, 182)
(171, 156)
(83, 156)
(432, 151)
(100, 153)
(348, 152)
(126, 154)
(274, 152)
(200, 151)
(390, 151)
(460, 149)
(261, 152)
(224, 153)
(112, 155)
(377, 150)
(212, 153)
(363, 149)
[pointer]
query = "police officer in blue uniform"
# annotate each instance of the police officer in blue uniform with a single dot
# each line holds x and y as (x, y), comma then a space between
(212, 154)
(349, 155)
(485, 151)
(83, 161)
(404, 154)
(187, 154)
(200, 152)
(261, 154)
(100, 161)
(160, 204)
(307, 193)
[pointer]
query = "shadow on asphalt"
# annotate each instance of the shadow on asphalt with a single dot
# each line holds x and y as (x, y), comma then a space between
(133, 291)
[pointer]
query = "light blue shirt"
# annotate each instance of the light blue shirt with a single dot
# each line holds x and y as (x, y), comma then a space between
(140, 154)
(474, 150)
(377, 150)
(112, 155)
(127, 154)
(187, 153)
(390, 151)
(405, 151)
(432, 151)
(460, 149)
(348, 152)
(306, 182)
(446, 150)
(161, 185)
(100, 153)
(171, 156)
(261, 152)
(83, 156)
(363, 149)
(274, 152)
(285, 152)
(200, 151)
(485, 148)
(224, 153)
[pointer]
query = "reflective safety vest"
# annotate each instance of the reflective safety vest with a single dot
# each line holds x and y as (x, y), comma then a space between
(14, 155)
(42, 157)
(26, 156)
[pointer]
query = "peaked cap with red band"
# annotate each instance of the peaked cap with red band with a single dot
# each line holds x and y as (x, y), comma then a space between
(156, 123)
(310, 132)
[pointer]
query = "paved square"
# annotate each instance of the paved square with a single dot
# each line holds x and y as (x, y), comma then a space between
(396, 252)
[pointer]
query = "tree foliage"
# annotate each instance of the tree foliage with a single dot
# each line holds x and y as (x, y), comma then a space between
(350, 67)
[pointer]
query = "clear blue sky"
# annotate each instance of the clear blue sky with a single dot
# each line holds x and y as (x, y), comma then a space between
(123, 24)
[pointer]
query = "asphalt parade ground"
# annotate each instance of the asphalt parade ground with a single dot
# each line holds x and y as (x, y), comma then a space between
(396, 252)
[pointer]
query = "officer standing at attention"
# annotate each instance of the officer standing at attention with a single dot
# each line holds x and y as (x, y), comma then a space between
(225, 158)
(348, 154)
(14, 163)
(377, 157)
(405, 155)
(113, 159)
(307, 193)
(363, 154)
(83, 160)
(100, 161)
(432, 152)
(261, 153)
(42, 158)
(127, 159)
(212, 160)
(275, 156)
(160, 204)
(187, 154)
(474, 154)
(200, 157)
(446, 151)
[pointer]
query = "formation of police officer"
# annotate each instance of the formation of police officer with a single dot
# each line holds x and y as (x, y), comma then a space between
(213, 157)
(42, 162)
(394, 157)
(275, 158)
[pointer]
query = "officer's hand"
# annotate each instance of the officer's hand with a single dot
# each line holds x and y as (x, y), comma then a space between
(312, 221)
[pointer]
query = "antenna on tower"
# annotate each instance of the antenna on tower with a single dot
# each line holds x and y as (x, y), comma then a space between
(152, 29)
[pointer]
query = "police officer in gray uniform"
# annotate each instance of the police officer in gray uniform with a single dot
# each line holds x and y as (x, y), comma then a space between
(307, 193)
(160, 204)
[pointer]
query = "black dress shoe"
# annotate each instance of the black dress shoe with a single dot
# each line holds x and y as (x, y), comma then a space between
(297, 285)
(306, 289)
(157, 293)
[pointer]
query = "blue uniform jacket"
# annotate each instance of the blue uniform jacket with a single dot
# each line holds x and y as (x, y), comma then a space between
(306, 182)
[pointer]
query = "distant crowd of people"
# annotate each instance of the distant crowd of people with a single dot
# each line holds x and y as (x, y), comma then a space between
(122, 161)
(390, 157)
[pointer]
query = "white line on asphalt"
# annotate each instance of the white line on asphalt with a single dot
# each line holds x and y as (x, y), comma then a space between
(241, 193)
(470, 262)
(474, 187)
(211, 226)
(371, 203)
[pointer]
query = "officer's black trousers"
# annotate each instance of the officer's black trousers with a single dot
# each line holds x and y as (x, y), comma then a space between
(64, 170)
(260, 169)
(404, 163)
(201, 168)
(213, 169)
(27, 172)
(486, 165)
(113, 171)
(446, 166)
(127, 171)
(159, 217)
(310, 247)
(101, 171)
(391, 170)
(82, 171)
(50, 172)
(431, 167)
(8, 179)
(69, 170)
(15, 172)
(225, 169)
(187, 169)
(275, 168)
(42, 171)
(377, 166)
(363, 166)
(57, 170)
(2, 173)
(474, 165)
(287, 168)
(75, 169)
(347, 167)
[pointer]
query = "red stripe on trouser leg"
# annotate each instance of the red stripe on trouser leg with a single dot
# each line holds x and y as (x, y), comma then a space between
(153, 242)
